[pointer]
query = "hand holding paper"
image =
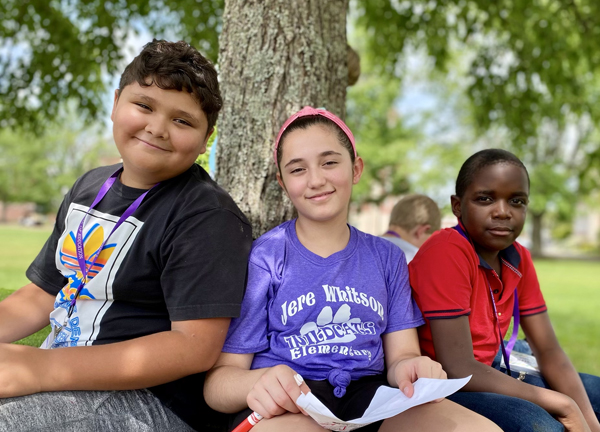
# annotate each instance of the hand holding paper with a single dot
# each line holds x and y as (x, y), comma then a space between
(386, 403)
(408, 371)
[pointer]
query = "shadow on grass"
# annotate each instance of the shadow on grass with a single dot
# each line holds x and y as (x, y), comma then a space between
(35, 339)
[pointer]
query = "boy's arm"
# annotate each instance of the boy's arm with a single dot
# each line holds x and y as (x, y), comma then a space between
(454, 350)
(24, 312)
(189, 347)
(555, 365)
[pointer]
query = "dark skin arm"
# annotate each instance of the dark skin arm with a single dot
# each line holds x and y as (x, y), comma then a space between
(555, 365)
(454, 350)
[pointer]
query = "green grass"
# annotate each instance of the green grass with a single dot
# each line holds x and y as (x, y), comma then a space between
(572, 294)
(19, 246)
(571, 290)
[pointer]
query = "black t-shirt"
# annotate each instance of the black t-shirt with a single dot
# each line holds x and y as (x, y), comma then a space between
(181, 256)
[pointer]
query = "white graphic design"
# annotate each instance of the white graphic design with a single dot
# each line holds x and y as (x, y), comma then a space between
(97, 295)
(316, 337)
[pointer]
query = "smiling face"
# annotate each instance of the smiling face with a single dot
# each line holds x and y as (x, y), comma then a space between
(493, 207)
(159, 133)
(317, 174)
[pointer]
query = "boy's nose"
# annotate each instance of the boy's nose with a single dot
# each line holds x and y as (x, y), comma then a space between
(501, 209)
(157, 127)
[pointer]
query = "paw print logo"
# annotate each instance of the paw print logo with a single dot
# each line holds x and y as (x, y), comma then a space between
(327, 321)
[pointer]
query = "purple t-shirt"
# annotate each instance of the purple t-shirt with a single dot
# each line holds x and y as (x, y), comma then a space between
(319, 315)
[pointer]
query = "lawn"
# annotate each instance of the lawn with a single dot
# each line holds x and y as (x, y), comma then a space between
(571, 289)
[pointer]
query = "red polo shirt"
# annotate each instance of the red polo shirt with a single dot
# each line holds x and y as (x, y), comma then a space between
(449, 279)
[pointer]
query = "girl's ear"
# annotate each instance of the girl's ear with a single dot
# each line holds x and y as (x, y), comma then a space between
(455, 204)
(358, 168)
(280, 181)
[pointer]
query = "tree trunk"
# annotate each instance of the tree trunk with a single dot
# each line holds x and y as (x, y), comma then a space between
(536, 234)
(275, 57)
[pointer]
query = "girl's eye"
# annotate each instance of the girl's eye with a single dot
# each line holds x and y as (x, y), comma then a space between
(296, 170)
(330, 163)
(143, 106)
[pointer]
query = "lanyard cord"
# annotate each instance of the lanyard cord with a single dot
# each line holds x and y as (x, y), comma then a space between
(506, 351)
(81, 260)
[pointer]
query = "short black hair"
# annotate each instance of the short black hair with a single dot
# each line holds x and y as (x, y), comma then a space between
(480, 160)
(177, 66)
(311, 120)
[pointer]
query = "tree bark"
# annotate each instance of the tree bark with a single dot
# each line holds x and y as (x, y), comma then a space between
(275, 57)
(536, 234)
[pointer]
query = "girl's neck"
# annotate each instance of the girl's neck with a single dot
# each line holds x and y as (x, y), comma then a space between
(323, 238)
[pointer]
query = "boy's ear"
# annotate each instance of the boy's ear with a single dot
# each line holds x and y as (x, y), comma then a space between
(205, 143)
(455, 204)
(422, 230)
(359, 166)
(114, 104)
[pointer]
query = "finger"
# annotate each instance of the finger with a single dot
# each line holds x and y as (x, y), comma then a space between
(264, 395)
(256, 405)
(406, 387)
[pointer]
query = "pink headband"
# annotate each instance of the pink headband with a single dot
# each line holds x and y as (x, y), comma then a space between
(310, 111)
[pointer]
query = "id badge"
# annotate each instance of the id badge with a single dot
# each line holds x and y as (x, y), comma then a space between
(59, 329)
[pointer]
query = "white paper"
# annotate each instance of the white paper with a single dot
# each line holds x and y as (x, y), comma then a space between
(386, 403)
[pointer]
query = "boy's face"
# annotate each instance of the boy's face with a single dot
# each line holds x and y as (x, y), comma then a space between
(159, 133)
(493, 207)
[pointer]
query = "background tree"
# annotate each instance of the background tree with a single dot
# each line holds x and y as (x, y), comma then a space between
(41, 168)
(528, 64)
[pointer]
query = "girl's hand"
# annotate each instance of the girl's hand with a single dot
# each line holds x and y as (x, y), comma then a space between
(276, 392)
(409, 370)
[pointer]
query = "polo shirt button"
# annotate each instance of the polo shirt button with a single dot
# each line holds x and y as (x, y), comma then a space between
(496, 291)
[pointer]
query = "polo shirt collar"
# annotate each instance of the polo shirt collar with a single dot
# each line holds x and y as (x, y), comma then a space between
(510, 254)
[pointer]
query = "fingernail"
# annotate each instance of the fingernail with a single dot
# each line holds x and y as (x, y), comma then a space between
(405, 390)
(299, 379)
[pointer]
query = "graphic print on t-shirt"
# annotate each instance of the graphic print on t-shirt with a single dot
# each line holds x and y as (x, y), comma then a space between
(335, 328)
(97, 295)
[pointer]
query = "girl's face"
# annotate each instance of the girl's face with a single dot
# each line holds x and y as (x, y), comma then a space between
(493, 207)
(317, 173)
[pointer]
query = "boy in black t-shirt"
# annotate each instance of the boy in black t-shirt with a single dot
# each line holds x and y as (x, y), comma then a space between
(141, 275)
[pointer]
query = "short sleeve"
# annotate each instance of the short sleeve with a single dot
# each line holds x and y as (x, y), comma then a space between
(43, 271)
(248, 333)
(441, 280)
(205, 260)
(403, 312)
(531, 300)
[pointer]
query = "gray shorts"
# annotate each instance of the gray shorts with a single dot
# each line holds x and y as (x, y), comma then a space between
(82, 411)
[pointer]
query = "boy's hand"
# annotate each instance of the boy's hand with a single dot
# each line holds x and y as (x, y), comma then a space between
(570, 416)
(276, 392)
(409, 370)
(19, 370)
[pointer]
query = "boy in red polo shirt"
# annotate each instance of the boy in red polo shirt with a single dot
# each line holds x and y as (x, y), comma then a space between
(469, 280)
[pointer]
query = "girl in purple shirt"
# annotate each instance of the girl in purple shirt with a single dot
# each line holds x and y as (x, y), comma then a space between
(325, 301)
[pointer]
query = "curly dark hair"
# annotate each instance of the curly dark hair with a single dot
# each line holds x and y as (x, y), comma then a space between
(177, 66)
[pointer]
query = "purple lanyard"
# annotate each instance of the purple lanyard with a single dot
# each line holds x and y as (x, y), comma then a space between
(392, 233)
(506, 351)
(83, 266)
